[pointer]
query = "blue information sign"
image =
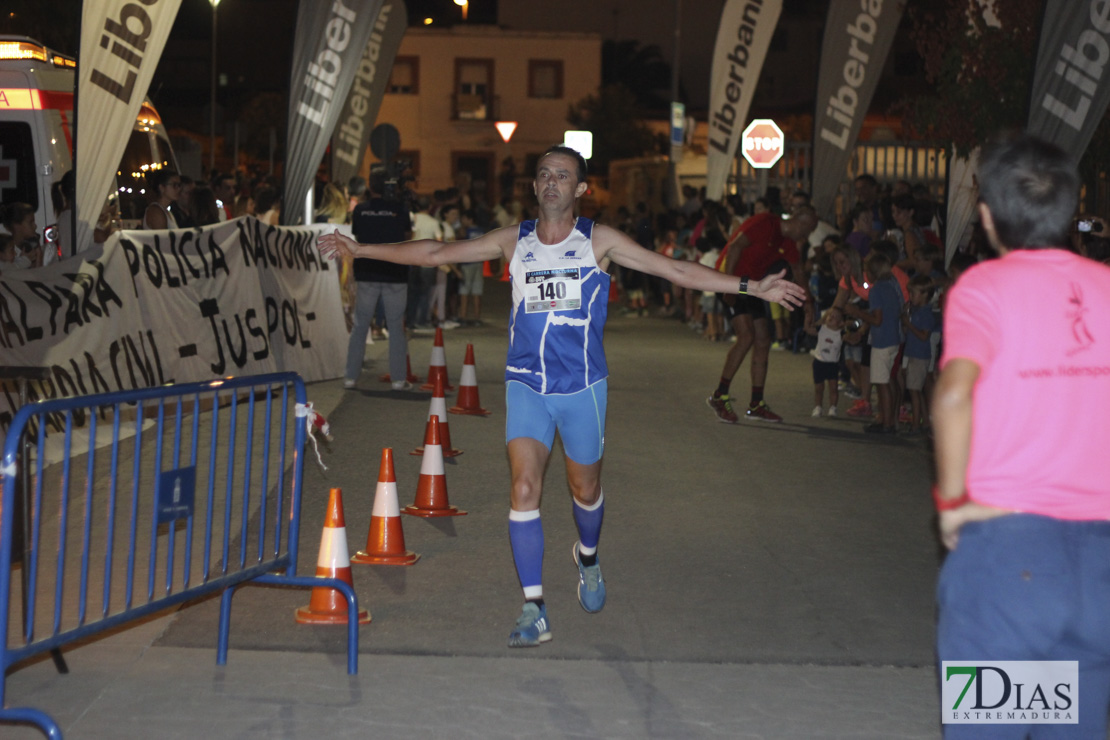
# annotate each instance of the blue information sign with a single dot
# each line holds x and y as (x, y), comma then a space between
(175, 494)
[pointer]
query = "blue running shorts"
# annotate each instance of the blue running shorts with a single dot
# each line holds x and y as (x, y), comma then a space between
(579, 417)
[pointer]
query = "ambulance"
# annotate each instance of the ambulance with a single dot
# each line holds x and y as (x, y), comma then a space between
(36, 137)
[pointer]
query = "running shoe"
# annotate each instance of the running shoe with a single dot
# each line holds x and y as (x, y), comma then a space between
(877, 428)
(531, 626)
(832, 411)
(860, 408)
(591, 586)
(816, 411)
(762, 412)
(722, 406)
(348, 383)
(401, 385)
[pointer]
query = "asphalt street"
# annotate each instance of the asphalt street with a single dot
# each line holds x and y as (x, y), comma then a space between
(765, 580)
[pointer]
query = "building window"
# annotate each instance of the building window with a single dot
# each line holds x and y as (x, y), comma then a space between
(474, 89)
(545, 78)
(405, 77)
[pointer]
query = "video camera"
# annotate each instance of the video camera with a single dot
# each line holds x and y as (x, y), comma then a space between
(395, 187)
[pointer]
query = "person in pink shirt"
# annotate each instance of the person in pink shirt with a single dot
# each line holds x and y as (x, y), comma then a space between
(1022, 431)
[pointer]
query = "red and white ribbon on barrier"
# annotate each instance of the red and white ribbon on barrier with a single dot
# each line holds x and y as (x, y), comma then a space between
(316, 424)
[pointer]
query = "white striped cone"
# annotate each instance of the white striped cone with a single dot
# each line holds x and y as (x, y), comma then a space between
(385, 542)
(431, 490)
(467, 401)
(437, 365)
(326, 605)
(438, 409)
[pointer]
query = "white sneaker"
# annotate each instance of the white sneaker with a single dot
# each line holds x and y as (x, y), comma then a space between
(401, 385)
(832, 411)
(348, 383)
(816, 411)
(449, 324)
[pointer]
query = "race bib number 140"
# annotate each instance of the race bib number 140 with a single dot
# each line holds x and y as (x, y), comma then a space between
(552, 290)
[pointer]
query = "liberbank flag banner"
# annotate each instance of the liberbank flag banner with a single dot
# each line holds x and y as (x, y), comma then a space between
(348, 143)
(742, 41)
(1071, 84)
(331, 37)
(121, 43)
(858, 37)
(153, 307)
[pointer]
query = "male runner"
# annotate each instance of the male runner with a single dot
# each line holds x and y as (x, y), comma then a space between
(756, 247)
(556, 374)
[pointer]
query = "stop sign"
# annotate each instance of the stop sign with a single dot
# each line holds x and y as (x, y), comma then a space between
(762, 143)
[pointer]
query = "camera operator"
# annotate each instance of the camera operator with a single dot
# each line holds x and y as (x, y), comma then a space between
(377, 219)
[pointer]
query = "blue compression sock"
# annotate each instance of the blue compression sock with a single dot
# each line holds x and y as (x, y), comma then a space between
(526, 538)
(588, 520)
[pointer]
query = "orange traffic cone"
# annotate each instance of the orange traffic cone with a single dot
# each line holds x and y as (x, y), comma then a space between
(409, 375)
(437, 366)
(385, 542)
(505, 273)
(326, 605)
(438, 409)
(467, 400)
(431, 491)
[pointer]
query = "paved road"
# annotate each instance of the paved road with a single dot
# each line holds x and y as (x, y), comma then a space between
(765, 581)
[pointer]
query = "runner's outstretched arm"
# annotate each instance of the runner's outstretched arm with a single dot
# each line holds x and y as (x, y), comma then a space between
(422, 252)
(619, 248)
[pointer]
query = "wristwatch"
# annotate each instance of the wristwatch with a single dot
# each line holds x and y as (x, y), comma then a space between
(743, 285)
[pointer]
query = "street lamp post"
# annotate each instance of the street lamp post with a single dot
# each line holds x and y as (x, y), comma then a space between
(212, 110)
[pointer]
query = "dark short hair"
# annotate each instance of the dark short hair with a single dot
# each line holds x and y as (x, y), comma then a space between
(13, 213)
(867, 178)
(1031, 188)
(904, 202)
(158, 178)
(378, 177)
(923, 282)
(887, 248)
(568, 152)
(877, 259)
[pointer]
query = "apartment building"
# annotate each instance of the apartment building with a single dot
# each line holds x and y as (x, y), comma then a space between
(449, 86)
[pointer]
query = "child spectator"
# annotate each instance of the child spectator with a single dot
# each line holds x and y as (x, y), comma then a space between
(884, 310)
(918, 321)
(471, 282)
(826, 358)
(713, 330)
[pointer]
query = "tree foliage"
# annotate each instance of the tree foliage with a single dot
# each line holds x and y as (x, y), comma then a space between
(981, 72)
(612, 116)
(55, 23)
(641, 69)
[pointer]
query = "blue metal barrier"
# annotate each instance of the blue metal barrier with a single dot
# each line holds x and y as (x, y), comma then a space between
(181, 497)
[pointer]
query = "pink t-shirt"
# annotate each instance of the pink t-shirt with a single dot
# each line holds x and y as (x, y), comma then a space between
(1037, 323)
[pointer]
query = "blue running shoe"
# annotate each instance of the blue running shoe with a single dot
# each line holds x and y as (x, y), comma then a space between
(591, 586)
(531, 627)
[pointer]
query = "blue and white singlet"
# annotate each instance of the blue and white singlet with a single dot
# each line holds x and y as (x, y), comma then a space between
(560, 303)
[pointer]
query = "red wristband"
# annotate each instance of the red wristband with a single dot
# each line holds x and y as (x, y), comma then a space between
(947, 504)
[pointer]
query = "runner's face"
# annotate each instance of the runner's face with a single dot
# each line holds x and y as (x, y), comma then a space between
(557, 181)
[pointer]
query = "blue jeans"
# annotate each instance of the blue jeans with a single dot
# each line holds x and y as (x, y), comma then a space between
(393, 297)
(1028, 587)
